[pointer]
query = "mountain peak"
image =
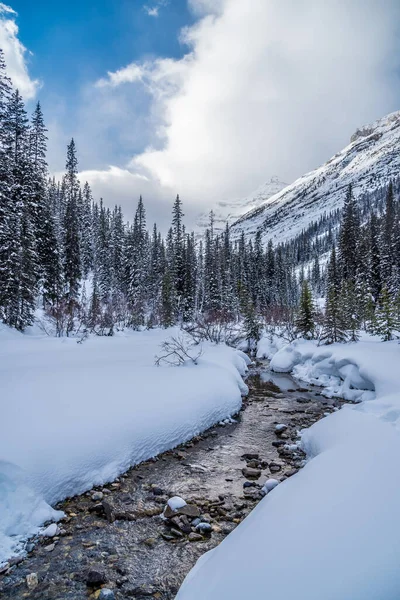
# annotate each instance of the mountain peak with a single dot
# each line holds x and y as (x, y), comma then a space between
(369, 162)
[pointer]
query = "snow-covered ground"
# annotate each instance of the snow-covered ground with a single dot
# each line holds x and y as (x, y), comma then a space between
(331, 531)
(77, 415)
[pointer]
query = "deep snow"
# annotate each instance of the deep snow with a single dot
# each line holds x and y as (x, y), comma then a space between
(78, 415)
(331, 531)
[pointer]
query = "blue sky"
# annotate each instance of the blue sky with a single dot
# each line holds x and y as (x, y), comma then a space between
(76, 41)
(205, 98)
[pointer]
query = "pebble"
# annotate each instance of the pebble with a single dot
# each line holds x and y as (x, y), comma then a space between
(50, 531)
(280, 428)
(106, 594)
(204, 528)
(97, 496)
(95, 577)
(32, 580)
(248, 484)
(250, 473)
(195, 537)
(49, 548)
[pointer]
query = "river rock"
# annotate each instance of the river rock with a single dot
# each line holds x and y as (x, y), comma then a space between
(253, 464)
(195, 537)
(190, 510)
(106, 594)
(32, 580)
(280, 428)
(50, 531)
(49, 548)
(251, 456)
(96, 577)
(250, 473)
(274, 467)
(204, 528)
(248, 484)
(108, 511)
(97, 496)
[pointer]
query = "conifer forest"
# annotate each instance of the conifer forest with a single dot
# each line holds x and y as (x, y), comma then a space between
(89, 269)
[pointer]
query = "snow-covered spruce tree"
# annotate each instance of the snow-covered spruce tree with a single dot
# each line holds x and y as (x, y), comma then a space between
(167, 299)
(20, 267)
(47, 241)
(72, 256)
(8, 226)
(334, 327)
(305, 318)
(178, 255)
(252, 327)
(373, 259)
(87, 241)
(387, 238)
(386, 319)
(211, 285)
(348, 236)
(136, 267)
(189, 292)
(103, 263)
(270, 282)
(350, 308)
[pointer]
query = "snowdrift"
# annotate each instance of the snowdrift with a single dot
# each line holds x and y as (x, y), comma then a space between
(332, 530)
(78, 415)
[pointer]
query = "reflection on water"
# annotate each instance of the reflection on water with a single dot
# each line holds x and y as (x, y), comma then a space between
(281, 380)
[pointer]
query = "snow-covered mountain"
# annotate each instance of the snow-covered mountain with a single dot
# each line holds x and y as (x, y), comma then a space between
(370, 160)
(231, 211)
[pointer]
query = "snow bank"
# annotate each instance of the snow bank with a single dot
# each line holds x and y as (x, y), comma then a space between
(332, 531)
(78, 415)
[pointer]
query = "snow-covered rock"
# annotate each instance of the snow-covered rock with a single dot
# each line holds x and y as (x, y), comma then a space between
(269, 485)
(369, 162)
(50, 531)
(175, 503)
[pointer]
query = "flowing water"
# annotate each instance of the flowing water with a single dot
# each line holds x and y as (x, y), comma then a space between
(123, 537)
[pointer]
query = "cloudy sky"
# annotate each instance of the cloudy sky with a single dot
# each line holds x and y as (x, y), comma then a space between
(208, 98)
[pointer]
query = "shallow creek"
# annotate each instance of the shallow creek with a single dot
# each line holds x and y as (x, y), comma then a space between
(117, 539)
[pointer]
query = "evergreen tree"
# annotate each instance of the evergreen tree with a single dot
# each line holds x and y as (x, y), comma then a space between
(72, 256)
(349, 234)
(305, 319)
(386, 321)
(334, 329)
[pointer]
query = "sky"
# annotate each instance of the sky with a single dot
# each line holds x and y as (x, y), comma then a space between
(205, 98)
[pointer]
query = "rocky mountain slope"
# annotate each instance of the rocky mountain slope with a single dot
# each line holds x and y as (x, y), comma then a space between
(370, 160)
(231, 211)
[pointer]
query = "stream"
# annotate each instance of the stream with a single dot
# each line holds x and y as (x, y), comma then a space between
(115, 536)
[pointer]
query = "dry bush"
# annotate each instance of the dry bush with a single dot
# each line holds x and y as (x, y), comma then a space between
(178, 350)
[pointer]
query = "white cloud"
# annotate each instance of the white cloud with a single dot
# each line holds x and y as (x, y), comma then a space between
(15, 54)
(121, 186)
(154, 11)
(266, 88)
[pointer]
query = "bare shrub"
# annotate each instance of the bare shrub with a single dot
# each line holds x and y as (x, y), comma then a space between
(178, 350)
(214, 329)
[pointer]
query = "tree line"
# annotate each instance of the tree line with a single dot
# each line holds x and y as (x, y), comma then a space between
(84, 267)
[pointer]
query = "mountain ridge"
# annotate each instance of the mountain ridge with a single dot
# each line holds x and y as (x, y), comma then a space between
(368, 162)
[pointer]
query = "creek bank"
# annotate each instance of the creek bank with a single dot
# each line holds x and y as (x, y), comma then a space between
(120, 541)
